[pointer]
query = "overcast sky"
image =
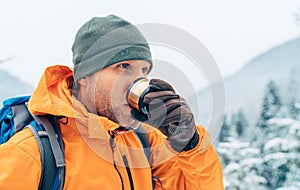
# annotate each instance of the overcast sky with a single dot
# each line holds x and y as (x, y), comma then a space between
(36, 34)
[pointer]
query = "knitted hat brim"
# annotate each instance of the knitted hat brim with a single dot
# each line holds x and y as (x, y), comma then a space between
(111, 56)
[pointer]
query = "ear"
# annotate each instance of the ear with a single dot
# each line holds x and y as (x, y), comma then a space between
(82, 81)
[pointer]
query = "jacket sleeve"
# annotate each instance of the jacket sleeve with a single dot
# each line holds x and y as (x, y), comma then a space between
(20, 166)
(196, 169)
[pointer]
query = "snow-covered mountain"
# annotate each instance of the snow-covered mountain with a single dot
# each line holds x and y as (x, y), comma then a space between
(263, 155)
(11, 86)
(244, 90)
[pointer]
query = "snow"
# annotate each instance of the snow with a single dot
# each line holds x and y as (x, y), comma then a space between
(281, 122)
(266, 156)
(276, 159)
(288, 188)
(294, 146)
(249, 152)
(232, 168)
(252, 162)
(251, 177)
(238, 178)
(295, 129)
(277, 144)
(234, 144)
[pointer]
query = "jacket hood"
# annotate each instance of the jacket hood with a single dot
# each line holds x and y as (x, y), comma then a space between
(53, 95)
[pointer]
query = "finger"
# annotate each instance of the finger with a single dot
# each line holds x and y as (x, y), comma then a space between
(161, 95)
(171, 108)
(178, 113)
(161, 84)
(155, 117)
(157, 112)
(179, 120)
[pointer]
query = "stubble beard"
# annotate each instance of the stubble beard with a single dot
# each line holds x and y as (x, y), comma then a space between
(117, 115)
(113, 111)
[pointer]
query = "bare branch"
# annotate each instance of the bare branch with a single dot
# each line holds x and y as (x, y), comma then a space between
(297, 16)
(7, 59)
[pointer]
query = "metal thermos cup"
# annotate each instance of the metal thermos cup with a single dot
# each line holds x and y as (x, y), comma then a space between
(136, 92)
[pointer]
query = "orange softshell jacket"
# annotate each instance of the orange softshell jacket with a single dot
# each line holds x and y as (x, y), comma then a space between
(93, 159)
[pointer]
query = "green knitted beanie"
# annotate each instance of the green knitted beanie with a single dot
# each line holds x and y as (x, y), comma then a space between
(103, 41)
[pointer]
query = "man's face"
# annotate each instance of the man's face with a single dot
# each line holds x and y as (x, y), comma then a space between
(107, 90)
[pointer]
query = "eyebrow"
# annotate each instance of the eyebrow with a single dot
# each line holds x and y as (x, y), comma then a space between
(146, 66)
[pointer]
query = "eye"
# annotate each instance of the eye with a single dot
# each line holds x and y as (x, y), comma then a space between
(124, 65)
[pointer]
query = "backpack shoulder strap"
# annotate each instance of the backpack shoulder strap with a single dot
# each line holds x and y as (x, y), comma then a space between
(142, 135)
(14, 117)
(57, 150)
(49, 169)
(51, 150)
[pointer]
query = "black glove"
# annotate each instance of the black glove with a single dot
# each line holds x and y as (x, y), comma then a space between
(170, 113)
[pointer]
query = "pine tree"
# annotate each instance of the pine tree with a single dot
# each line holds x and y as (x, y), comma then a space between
(294, 109)
(271, 105)
(292, 94)
(276, 176)
(241, 123)
(225, 131)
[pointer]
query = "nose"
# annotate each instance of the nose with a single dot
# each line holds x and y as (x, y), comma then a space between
(136, 74)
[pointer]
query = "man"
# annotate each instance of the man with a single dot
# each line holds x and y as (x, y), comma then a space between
(98, 126)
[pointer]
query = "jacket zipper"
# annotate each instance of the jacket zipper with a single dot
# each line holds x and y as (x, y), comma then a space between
(113, 145)
(128, 172)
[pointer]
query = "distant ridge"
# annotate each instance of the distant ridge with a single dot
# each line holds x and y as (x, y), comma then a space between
(244, 90)
(11, 86)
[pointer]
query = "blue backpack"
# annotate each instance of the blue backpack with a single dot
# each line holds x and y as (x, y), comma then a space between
(14, 117)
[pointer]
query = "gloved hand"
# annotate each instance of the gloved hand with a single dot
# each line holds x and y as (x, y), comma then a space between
(170, 113)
